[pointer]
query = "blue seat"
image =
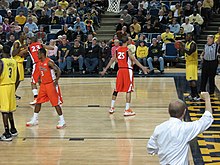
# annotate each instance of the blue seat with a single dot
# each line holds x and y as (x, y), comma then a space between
(51, 36)
(154, 35)
(154, 12)
(56, 26)
(3, 12)
(171, 53)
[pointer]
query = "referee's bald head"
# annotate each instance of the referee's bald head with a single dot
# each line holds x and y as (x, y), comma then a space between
(177, 108)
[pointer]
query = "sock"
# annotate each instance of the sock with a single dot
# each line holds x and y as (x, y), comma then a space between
(113, 104)
(35, 92)
(61, 118)
(35, 117)
(127, 106)
(7, 131)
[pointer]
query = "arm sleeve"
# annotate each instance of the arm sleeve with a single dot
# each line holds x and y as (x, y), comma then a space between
(152, 147)
(195, 128)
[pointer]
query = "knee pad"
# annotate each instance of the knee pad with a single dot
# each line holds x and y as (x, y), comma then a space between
(115, 93)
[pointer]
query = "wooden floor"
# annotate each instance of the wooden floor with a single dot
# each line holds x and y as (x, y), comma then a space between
(102, 138)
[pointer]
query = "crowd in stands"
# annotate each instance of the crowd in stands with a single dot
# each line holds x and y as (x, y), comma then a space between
(74, 24)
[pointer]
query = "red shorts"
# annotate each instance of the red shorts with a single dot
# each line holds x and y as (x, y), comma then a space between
(35, 73)
(48, 92)
(124, 81)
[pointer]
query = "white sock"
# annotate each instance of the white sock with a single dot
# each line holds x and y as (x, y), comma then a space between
(35, 92)
(127, 106)
(61, 118)
(35, 117)
(113, 104)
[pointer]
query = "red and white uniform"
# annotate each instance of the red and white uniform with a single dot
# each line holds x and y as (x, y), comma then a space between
(33, 49)
(48, 91)
(124, 81)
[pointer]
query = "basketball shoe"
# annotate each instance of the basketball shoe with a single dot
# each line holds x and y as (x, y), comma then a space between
(6, 137)
(61, 124)
(31, 123)
(111, 110)
(129, 112)
(14, 132)
(33, 102)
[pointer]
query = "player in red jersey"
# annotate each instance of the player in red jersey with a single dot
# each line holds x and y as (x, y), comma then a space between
(124, 81)
(49, 88)
(33, 51)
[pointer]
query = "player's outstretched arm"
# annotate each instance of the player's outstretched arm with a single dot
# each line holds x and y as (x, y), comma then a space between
(206, 97)
(52, 65)
(48, 47)
(145, 69)
(113, 59)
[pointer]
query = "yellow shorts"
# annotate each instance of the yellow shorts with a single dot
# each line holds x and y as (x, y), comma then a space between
(21, 71)
(7, 98)
(192, 71)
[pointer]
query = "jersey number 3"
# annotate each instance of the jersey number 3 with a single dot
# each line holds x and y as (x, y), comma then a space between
(10, 72)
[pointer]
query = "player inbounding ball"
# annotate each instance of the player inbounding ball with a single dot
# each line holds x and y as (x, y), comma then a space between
(49, 88)
(125, 78)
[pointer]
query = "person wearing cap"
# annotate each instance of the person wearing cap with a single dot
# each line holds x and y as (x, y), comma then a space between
(22, 8)
(10, 17)
(167, 36)
(92, 57)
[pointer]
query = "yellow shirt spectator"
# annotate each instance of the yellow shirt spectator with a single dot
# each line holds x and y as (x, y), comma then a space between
(142, 51)
(137, 27)
(21, 19)
(59, 13)
(167, 36)
(39, 5)
(208, 4)
(64, 4)
(217, 36)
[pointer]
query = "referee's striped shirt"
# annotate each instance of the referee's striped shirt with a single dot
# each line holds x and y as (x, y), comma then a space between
(211, 52)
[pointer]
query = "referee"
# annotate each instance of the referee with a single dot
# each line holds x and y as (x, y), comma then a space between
(209, 64)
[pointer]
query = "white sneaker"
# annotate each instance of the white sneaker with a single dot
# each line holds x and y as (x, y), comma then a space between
(61, 124)
(129, 112)
(32, 123)
(111, 110)
(33, 102)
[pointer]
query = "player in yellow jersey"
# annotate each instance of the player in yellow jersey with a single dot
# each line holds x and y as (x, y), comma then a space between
(19, 49)
(191, 57)
(8, 78)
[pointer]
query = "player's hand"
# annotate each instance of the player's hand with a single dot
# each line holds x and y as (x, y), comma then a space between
(205, 96)
(55, 82)
(59, 60)
(145, 70)
(103, 72)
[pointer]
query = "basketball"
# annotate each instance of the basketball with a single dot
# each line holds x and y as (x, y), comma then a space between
(178, 44)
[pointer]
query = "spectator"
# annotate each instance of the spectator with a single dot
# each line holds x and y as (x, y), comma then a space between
(31, 25)
(41, 34)
(154, 4)
(63, 51)
(88, 43)
(12, 32)
(145, 4)
(120, 25)
(39, 5)
(4, 4)
(131, 9)
(199, 7)
(148, 28)
(21, 19)
(156, 26)
(154, 54)
(162, 18)
(51, 3)
(167, 36)
(66, 19)
(136, 25)
(217, 35)
(28, 4)
(142, 8)
(81, 10)
(22, 8)
(31, 15)
(197, 22)
(105, 55)
(140, 17)
(207, 10)
(2, 35)
(141, 38)
(112, 41)
(54, 19)
(132, 33)
(142, 53)
(67, 32)
(149, 17)
(122, 34)
(177, 11)
(180, 35)
(175, 26)
(188, 10)
(43, 19)
(81, 24)
(11, 40)
(52, 54)
(88, 19)
(131, 46)
(59, 12)
(6, 26)
(170, 17)
(78, 32)
(15, 4)
(188, 28)
(10, 17)
(161, 43)
(17, 27)
(27, 32)
(76, 54)
(126, 17)
(47, 10)
(64, 4)
(92, 55)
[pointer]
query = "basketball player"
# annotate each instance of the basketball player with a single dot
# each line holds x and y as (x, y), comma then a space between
(191, 57)
(18, 50)
(49, 88)
(8, 77)
(33, 48)
(124, 82)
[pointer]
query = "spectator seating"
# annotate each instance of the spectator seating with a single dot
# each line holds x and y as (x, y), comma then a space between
(171, 53)
(51, 36)
(55, 28)
(3, 12)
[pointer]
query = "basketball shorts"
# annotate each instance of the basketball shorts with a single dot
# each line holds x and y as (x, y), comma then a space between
(48, 92)
(7, 98)
(124, 81)
(192, 71)
(35, 74)
(21, 71)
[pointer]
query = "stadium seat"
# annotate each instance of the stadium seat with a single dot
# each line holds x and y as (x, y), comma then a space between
(3, 12)
(171, 53)
(55, 28)
(154, 35)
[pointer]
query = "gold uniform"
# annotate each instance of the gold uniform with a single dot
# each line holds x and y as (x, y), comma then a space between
(191, 63)
(20, 65)
(7, 85)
